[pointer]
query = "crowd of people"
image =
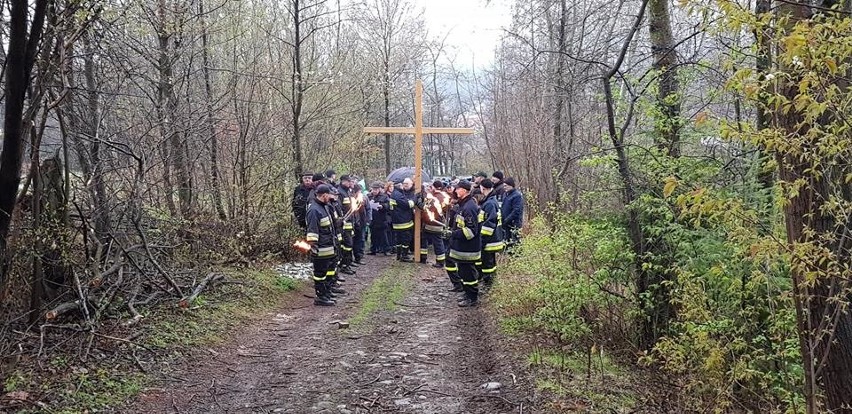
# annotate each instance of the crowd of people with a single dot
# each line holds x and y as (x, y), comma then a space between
(467, 222)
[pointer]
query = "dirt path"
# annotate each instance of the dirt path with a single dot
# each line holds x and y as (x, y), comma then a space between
(423, 356)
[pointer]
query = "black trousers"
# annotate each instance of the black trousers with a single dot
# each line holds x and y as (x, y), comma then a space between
(324, 273)
(346, 247)
(404, 238)
(452, 269)
(437, 243)
(470, 279)
(379, 239)
(488, 266)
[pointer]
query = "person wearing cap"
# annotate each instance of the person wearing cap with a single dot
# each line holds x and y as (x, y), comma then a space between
(346, 201)
(477, 178)
(466, 244)
(432, 217)
(402, 218)
(321, 234)
(380, 204)
(513, 212)
(491, 221)
(497, 179)
(300, 199)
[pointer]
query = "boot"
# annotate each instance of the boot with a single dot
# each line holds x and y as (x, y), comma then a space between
(438, 265)
(359, 261)
(398, 253)
(322, 293)
(404, 255)
(347, 270)
(470, 300)
(334, 289)
(457, 287)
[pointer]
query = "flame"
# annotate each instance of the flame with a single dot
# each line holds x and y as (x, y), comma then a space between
(432, 201)
(302, 246)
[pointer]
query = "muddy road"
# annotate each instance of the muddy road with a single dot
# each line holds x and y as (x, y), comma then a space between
(408, 349)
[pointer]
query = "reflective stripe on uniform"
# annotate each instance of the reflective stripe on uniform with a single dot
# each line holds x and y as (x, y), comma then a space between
(465, 256)
(481, 217)
(441, 258)
(494, 246)
(451, 269)
(330, 273)
(491, 270)
(410, 204)
(312, 237)
(347, 200)
(339, 237)
(403, 226)
(474, 283)
(325, 251)
(348, 226)
(487, 231)
(468, 233)
(325, 221)
(346, 248)
(433, 229)
(424, 252)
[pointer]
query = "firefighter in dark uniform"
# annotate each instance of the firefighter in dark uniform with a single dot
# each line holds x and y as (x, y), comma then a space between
(322, 236)
(433, 226)
(466, 244)
(491, 231)
(301, 200)
(402, 219)
(345, 201)
(449, 264)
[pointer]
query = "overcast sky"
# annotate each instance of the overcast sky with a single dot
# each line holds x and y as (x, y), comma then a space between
(474, 26)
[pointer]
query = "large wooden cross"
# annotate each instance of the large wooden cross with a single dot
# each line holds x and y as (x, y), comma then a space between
(418, 132)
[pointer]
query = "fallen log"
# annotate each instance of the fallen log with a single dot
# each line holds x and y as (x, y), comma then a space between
(62, 309)
(210, 278)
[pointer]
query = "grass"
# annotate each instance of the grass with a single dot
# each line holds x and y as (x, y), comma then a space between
(73, 386)
(602, 387)
(384, 293)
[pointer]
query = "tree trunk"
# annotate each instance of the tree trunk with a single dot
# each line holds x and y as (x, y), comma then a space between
(20, 57)
(762, 65)
(298, 87)
(97, 186)
(386, 95)
(211, 129)
(665, 63)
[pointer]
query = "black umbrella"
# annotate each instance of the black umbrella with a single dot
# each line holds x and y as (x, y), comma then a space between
(400, 174)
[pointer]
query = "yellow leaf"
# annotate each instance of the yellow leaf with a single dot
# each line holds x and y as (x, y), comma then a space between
(832, 65)
(669, 187)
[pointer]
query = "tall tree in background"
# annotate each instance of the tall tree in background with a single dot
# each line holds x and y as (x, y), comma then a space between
(23, 46)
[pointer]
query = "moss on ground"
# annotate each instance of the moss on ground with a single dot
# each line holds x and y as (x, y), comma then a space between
(384, 293)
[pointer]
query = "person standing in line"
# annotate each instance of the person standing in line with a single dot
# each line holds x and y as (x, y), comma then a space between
(361, 217)
(379, 223)
(301, 199)
(491, 231)
(322, 236)
(513, 213)
(466, 244)
(402, 219)
(348, 228)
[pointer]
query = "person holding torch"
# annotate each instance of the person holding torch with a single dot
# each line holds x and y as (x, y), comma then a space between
(322, 237)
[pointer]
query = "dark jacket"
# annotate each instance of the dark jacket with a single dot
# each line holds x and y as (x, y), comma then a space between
(491, 220)
(344, 199)
(321, 233)
(513, 209)
(499, 192)
(300, 203)
(465, 242)
(402, 209)
(381, 216)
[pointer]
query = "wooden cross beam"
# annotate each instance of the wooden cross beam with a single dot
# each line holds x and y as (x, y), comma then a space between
(418, 132)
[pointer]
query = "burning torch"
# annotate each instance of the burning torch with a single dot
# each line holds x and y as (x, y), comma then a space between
(302, 246)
